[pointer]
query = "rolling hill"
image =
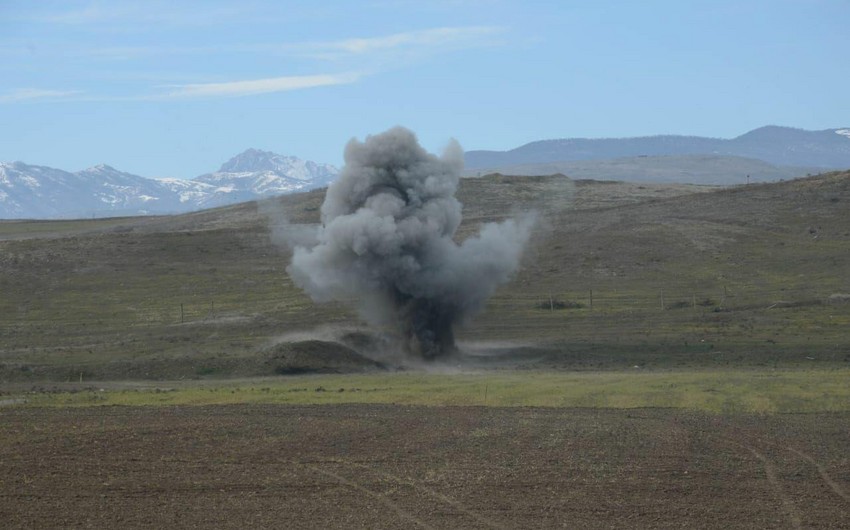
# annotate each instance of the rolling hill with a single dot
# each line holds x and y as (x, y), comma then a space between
(618, 274)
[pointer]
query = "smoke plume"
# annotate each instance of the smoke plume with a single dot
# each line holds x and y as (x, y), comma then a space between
(386, 243)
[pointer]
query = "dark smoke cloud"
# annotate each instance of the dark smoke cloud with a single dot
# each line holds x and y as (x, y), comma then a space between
(386, 243)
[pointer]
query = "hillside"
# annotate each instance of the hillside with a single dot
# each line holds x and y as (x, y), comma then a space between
(618, 275)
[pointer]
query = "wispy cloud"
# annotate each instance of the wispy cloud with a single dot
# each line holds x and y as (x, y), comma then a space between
(28, 94)
(354, 57)
(420, 42)
(258, 86)
(188, 91)
(427, 40)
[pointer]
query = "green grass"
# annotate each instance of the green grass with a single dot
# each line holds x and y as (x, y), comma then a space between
(717, 391)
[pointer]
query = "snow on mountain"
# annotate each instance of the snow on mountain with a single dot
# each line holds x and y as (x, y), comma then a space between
(257, 161)
(263, 173)
(186, 191)
(29, 191)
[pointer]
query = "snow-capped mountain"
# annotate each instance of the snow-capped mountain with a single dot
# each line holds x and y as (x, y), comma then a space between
(255, 160)
(262, 173)
(29, 191)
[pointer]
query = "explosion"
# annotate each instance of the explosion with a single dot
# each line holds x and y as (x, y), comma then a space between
(387, 243)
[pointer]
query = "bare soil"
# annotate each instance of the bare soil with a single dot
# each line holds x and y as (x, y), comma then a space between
(359, 466)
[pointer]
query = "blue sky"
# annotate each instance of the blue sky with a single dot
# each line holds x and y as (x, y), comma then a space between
(171, 88)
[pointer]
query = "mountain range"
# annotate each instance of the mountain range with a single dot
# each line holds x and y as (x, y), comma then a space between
(29, 191)
(781, 146)
(766, 154)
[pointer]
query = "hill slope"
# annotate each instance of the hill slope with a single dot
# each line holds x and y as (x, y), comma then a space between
(617, 275)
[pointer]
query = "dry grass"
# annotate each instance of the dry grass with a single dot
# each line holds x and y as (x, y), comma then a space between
(746, 275)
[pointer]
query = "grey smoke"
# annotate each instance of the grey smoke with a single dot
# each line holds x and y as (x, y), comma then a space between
(386, 243)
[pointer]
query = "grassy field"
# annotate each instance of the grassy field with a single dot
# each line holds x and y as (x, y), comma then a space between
(617, 275)
(715, 391)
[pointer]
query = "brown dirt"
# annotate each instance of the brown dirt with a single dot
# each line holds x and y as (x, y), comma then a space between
(358, 466)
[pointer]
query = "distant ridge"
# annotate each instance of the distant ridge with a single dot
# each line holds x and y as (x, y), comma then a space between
(784, 146)
(679, 169)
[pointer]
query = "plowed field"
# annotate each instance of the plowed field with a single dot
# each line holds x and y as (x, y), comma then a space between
(384, 466)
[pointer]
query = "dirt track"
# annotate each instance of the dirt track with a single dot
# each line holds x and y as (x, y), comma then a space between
(359, 466)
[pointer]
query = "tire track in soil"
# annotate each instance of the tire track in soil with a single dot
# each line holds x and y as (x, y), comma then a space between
(375, 495)
(772, 478)
(437, 495)
(834, 486)
(824, 474)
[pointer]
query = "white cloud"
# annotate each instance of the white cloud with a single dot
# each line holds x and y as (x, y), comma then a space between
(260, 86)
(356, 56)
(196, 90)
(27, 94)
(425, 41)
(433, 40)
